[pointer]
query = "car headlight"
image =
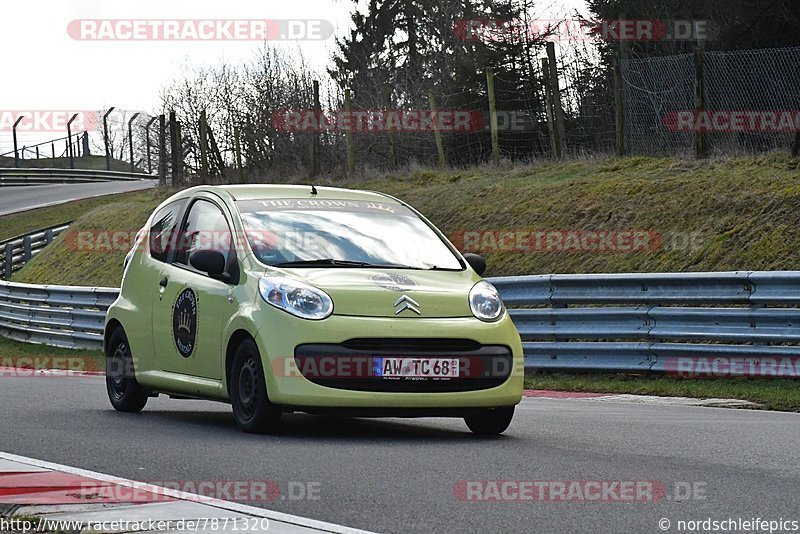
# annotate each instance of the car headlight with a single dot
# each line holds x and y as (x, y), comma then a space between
(295, 297)
(485, 302)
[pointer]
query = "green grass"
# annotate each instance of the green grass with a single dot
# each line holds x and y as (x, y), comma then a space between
(68, 262)
(32, 356)
(772, 393)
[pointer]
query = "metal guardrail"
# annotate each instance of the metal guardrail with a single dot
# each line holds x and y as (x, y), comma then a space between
(609, 322)
(17, 251)
(62, 316)
(36, 176)
(645, 322)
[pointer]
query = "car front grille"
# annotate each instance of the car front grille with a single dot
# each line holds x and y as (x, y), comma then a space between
(351, 365)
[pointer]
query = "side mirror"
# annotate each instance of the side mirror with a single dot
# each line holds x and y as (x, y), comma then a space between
(208, 261)
(476, 261)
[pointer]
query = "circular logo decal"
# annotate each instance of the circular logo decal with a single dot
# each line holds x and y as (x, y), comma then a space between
(395, 282)
(184, 322)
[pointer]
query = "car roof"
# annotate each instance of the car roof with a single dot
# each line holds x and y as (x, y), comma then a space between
(262, 191)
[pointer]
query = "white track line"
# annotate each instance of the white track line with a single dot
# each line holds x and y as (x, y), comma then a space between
(182, 495)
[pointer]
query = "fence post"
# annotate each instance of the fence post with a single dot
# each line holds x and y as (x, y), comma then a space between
(14, 130)
(37, 151)
(9, 261)
(619, 117)
(203, 148)
(315, 144)
(130, 138)
(493, 115)
(69, 142)
(175, 148)
(105, 137)
(162, 150)
(53, 150)
(147, 142)
(85, 143)
(796, 144)
(391, 121)
(237, 138)
(548, 96)
(558, 111)
(437, 132)
(699, 100)
(348, 136)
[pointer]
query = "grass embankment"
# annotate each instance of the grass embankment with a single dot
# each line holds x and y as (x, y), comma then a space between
(734, 214)
(95, 261)
(772, 394)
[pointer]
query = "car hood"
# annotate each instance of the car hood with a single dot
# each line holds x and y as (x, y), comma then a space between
(391, 292)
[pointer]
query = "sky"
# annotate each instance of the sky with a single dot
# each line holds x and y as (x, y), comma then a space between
(47, 69)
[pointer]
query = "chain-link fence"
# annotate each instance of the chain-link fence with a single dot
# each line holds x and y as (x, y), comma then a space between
(740, 102)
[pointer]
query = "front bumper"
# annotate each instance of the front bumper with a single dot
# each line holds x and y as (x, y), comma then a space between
(278, 344)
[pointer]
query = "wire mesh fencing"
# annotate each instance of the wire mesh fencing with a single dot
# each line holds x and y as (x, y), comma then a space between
(742, 101)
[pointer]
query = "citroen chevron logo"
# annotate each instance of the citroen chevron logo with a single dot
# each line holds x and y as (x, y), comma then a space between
(406, 303)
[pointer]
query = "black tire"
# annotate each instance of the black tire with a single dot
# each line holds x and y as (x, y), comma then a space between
(490, 422)
(124, 392)
(253, 411)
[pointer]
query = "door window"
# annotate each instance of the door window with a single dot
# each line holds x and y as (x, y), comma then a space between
(205, 229)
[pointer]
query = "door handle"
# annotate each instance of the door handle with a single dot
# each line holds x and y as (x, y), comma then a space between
(163, 282)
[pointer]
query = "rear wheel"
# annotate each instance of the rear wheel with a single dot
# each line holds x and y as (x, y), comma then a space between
(253, 411)
(124, 392)
(490, 422)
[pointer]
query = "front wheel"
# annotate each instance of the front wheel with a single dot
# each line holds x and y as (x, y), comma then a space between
(253, 411)
(124, 392)
(490, 422)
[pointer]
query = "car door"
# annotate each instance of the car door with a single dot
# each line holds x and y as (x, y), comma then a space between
(142, 272)
(192, 309)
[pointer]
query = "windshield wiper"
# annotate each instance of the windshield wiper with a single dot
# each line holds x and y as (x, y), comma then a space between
(337, 263)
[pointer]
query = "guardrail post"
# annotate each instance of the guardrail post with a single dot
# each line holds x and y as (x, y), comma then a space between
(26, 249)
(9, 262)
(48, 236)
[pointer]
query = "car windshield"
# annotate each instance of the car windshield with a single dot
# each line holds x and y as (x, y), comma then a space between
(294, 232)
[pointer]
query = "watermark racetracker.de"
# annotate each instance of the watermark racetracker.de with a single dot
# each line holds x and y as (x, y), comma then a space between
(199, 29)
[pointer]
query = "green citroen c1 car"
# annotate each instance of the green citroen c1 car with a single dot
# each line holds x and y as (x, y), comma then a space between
(281, 298)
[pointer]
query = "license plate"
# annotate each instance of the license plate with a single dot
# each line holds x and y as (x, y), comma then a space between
(416, 367)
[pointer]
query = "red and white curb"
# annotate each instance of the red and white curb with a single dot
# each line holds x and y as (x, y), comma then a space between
(56, 493)
(639, 399)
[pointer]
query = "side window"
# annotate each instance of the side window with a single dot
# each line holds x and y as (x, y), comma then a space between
(163, 229)
(205, 229)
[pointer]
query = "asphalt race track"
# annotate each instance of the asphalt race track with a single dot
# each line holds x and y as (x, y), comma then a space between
(21, 198)
(399, 475)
